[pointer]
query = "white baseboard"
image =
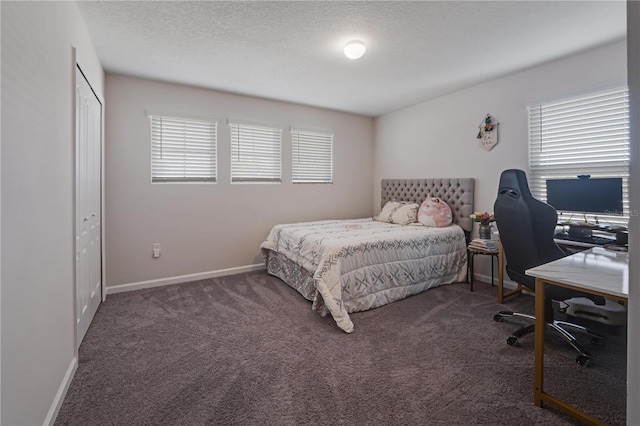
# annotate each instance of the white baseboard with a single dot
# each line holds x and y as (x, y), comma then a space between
(237, 270)
(182, 278)
(511, 285)
(62, 392)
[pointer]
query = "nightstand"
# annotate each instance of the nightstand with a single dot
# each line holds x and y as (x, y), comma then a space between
(472, 252)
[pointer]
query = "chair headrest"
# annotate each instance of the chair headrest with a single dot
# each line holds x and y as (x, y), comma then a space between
(513, 184)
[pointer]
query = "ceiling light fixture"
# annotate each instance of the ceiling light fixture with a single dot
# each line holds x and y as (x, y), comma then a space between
(354, 49)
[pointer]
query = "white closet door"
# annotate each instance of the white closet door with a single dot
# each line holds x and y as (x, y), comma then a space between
(88, 205)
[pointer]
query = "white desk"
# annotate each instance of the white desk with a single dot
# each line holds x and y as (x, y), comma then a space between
(597, 271)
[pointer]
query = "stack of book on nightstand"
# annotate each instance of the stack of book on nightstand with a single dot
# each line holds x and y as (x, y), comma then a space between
(482, 244)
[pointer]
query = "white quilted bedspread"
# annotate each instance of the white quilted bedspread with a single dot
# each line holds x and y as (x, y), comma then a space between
(362, 264)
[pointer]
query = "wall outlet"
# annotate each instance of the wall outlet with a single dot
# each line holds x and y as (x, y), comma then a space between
(156, 250)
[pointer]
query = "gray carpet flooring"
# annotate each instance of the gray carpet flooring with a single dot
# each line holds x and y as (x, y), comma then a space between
(248, 350)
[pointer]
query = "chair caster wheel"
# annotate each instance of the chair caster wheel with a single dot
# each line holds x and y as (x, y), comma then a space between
(512, 341)
(582, 360)
(498, 318)
(597, 342)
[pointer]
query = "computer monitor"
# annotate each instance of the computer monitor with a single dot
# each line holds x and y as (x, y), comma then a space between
(586, 195)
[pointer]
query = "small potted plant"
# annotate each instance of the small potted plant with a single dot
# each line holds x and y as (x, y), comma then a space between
(484, 219)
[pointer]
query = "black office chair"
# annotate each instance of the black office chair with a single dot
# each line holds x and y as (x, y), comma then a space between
(526, 227)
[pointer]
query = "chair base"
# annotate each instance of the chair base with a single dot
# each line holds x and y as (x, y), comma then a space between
(583, 355)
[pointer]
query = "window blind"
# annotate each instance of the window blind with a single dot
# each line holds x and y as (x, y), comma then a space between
(183, 150)
(586, 135)
(255, 153)
(312, 157)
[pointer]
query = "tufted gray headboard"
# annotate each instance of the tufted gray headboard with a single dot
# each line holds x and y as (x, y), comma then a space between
(457, 192)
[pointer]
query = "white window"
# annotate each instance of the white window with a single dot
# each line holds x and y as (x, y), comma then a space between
(585, 135)
(312, 157)
(255, 153)
(182, 149)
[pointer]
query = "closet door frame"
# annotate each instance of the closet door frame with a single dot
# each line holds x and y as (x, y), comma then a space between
(88, 213)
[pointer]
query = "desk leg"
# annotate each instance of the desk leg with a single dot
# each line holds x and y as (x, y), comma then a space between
(500, 273)
(538, 373)
(472, 256)
(491, 258)
(501, 293)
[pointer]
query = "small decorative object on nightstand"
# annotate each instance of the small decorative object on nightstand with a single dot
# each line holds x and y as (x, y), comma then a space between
(484, 232)
(481, 246)
(484, 219)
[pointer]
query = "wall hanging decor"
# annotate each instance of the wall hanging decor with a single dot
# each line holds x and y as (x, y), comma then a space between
(488, 133)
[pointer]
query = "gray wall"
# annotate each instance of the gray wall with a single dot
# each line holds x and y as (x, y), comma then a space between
(208, 228)
(37, 263)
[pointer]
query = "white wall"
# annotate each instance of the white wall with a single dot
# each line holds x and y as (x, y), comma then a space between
(206, 228)
(37, 307)
(633, 354)
(438, 138)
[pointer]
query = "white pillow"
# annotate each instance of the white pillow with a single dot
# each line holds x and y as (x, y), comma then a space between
(401, 213)
(435, 212)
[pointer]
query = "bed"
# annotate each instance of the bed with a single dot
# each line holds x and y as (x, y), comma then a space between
(346, 266)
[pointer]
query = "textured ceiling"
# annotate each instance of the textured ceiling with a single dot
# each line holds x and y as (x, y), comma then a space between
(292, 51)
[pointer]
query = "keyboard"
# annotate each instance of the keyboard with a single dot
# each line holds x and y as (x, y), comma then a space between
(586, 239)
